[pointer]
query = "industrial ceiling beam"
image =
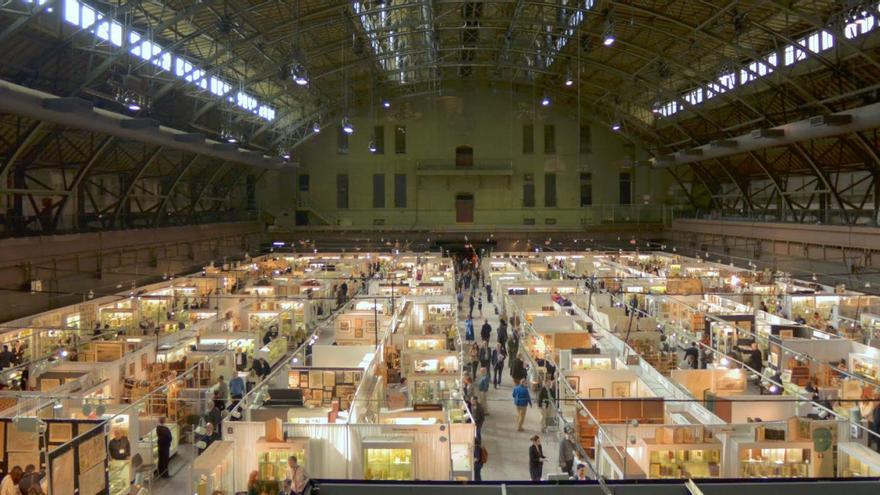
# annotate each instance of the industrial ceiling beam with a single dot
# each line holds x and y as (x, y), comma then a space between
(862, 118)
(19, 100)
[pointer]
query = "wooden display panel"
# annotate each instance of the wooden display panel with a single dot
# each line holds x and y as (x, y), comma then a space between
(63, 479)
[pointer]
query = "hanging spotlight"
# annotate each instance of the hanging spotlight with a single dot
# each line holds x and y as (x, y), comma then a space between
(386, 103)
(545, 101)
(615, 126)
(300, 75)
(372, 146)
(316, 127)
(608, 37)
(229, 135)
(569, 81)
(346, 126)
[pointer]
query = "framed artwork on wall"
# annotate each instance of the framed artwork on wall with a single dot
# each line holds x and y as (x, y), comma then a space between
(620, 389)
(596, 393)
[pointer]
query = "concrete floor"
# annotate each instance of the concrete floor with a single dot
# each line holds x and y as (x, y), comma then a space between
(509, 449)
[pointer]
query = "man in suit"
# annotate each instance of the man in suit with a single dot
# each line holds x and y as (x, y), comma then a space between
(536, 459)
(163, 433)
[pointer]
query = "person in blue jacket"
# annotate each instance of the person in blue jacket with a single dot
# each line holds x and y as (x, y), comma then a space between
(469, 329)
(521, 399)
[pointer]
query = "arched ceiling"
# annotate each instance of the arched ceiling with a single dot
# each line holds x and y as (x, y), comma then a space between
(359, 51)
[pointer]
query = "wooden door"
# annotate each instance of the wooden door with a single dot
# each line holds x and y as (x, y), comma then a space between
(464, 208)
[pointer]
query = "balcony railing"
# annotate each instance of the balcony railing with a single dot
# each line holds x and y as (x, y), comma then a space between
(479, 167)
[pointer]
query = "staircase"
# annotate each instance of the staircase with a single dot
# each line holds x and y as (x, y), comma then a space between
(303, 204)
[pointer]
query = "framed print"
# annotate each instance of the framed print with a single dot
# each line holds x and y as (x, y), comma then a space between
(92, 452)
(344, 327)
(340, 377)
(620, 389)
(329, 379)
(596, 393)
(60, 433)
(316, 379)
(303, 378)
(574, 382)
(347, 377)
(293, 379)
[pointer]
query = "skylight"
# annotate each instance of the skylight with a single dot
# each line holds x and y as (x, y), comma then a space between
(816, 42)
(86, 17)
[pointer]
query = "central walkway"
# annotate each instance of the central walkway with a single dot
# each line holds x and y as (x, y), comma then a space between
(508, 449)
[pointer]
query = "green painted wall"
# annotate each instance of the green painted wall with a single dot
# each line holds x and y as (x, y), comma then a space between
(492, 123)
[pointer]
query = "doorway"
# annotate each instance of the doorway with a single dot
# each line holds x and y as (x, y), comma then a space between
(464, 208)
(464, 157)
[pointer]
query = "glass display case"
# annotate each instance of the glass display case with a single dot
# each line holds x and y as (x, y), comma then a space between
(389, 459)
(272, 457)
(119, 474)
(784, 460)
(432, 391)
(679, 460)
(857, 461)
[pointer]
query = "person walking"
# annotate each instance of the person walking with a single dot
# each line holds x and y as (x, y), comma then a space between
(517, 369)
(485, 355)
(480, 304)
(498, 356)
(546, 402)
(469, 330)
(486, 331)
(480, 458)
(566, 455)
(536, 459)
(502, 332)
(479, 416)
(473, 360)
(471, 305)
(483, 389)
(521, 399)
(163, 436)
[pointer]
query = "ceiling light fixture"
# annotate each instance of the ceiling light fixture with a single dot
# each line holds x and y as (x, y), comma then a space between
(300, 75)
(569, 81)
(316, 127)
(545, 101)
(386, 103)
(608, 38)
(347, 127)
(615, 126)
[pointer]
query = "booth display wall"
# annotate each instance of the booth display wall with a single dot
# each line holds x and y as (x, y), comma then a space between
(339, 356)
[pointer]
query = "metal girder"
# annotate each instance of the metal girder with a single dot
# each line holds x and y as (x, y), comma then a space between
(139, 172)
(23, 21)
(201, 194)
(177, 179)
(81, 174)
(21, 146)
